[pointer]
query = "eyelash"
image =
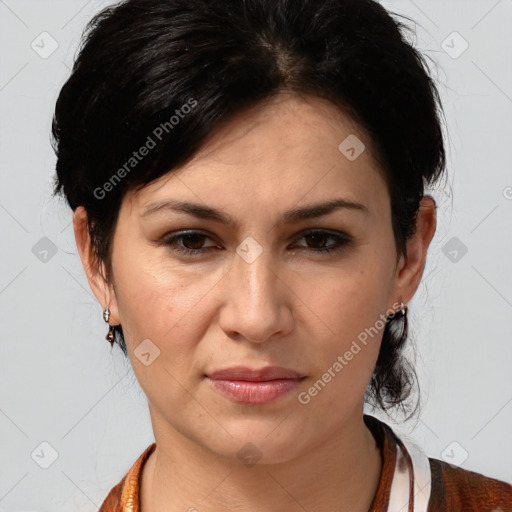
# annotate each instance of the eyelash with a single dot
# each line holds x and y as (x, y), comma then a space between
(342, 240)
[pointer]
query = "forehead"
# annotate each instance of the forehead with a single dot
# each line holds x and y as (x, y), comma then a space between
(286, 149)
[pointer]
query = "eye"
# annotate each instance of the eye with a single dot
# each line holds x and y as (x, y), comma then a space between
(318, 237)
(193, 239)
(191, 242)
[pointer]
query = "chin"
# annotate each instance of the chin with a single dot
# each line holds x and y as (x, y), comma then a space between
(260, 442)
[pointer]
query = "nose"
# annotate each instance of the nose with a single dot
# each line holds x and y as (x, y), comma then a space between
(258, 302)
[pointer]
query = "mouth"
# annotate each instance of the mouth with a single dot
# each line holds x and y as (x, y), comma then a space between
(255, 386)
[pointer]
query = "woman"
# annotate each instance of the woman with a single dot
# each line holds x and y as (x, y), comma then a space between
(248, 184)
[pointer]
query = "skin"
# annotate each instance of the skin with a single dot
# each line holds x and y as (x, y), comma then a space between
(290, 307)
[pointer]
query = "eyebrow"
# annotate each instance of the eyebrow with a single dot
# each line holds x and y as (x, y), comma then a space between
(291, 216)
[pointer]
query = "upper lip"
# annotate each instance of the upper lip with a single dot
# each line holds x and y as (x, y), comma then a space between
(249, 374)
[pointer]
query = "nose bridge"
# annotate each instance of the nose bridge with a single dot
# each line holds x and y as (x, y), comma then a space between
(253, 270)
(253, 310)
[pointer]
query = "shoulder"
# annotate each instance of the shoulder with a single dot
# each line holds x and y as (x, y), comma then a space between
(454, 488)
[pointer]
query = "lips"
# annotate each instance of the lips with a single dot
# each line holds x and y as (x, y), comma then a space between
(255, 386)
(243, 373)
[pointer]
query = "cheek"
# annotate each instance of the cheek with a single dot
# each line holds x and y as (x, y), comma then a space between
(158, 299)
(348, 301)
(157, 303)
(350, 313)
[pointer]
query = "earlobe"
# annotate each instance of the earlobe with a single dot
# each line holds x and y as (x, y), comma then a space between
(94, 274)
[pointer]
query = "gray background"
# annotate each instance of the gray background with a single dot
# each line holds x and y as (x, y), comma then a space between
(61, 384)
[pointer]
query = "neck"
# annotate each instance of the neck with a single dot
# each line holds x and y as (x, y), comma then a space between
(340, 474)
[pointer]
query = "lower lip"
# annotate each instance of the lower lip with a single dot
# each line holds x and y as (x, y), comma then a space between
(260, 392)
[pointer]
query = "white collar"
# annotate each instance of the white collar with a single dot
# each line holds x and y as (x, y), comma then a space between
(400, 498)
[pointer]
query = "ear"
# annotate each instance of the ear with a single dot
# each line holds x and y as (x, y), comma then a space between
(410, 267)
(94, 272)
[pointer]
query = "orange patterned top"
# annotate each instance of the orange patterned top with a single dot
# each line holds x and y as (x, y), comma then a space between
(453, 489)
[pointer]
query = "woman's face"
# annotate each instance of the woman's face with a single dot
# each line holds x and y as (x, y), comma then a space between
(258, 291)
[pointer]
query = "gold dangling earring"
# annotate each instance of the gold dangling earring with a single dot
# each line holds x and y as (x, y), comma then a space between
(110, 335)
